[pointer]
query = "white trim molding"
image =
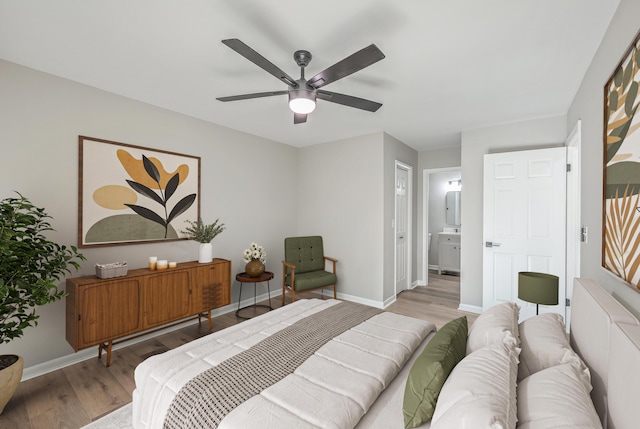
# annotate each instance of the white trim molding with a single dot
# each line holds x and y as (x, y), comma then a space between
(470, 308)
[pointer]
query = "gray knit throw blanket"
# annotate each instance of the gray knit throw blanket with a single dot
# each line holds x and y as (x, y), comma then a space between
(207, 398)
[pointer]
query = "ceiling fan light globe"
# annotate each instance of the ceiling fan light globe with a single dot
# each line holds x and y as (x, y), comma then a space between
(302, 106)
(302, 100)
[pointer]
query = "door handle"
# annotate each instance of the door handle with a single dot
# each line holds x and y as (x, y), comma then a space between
(401, 237)
(491, 244)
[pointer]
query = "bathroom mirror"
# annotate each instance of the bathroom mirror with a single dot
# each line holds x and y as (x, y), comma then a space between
(452, 207)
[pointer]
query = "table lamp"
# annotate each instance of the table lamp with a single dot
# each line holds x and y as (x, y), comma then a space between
(538, 288)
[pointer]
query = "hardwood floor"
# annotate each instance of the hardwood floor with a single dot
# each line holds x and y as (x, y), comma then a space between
(437, 303)
(78, 394)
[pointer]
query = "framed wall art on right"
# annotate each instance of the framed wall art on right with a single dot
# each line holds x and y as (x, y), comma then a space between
(621, 177)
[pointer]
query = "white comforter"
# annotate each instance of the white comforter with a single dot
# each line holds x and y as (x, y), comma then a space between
(332, 389)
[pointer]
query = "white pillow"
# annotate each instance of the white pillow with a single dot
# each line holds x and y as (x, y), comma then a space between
(497, 324)
(556, 397)
(545, 344)
(480, 391)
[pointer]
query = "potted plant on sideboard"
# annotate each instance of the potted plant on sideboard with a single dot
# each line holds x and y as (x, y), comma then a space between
(203, 234)
(30, 268)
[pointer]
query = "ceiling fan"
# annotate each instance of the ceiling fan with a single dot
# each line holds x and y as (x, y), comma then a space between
(303, 93)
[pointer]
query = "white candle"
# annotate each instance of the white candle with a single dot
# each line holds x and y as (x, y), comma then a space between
(172, 265)
(162, 264)
(153, 260)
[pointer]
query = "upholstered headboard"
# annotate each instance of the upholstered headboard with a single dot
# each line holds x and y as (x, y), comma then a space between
(595, 314)
(624, 377)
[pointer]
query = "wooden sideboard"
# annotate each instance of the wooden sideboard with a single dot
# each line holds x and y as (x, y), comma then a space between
(101, 311)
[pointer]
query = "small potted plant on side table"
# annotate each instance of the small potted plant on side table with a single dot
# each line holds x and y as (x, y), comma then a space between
(255, 257)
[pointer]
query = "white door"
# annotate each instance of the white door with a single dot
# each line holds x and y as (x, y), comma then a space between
(524, 219)
(402, 223)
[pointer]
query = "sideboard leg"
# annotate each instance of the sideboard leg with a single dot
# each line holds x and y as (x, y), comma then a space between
(105, 346)
(109, 353)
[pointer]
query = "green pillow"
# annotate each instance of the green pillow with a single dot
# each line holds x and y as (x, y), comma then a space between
(430, 370)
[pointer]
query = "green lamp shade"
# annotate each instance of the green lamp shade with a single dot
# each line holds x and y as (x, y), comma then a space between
(538, 288)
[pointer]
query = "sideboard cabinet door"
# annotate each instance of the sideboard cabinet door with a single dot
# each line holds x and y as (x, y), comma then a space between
(108, 310)
(166, 297)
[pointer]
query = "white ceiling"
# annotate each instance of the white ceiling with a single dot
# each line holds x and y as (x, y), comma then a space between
(451, 65)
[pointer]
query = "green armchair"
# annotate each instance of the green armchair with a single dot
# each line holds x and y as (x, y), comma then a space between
(303, 269)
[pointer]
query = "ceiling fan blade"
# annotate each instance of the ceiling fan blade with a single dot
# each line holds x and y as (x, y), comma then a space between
(353, 63)
(244, 50)
(249, 96)
(299, 118)
(348, 100)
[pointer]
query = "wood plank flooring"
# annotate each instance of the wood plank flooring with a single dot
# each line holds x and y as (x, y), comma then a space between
(78, 394)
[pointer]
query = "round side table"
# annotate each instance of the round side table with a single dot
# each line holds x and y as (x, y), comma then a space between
(244, 278)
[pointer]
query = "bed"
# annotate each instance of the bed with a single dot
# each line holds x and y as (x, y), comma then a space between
(369, 367)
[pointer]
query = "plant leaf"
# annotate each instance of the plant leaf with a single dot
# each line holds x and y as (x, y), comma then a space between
(30, 265)
(147, 214)
(147, 192)
(171, 187)
(181, 207)
(151, 169)
(617, 78)
(631, 99)
(613, 101)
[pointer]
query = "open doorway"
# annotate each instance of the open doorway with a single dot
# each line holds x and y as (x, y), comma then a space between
(442, 188)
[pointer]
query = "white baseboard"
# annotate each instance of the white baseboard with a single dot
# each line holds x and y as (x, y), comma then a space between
(389, 301)
(359, 300)
(470, 308)
(92, 352)
(365, 301)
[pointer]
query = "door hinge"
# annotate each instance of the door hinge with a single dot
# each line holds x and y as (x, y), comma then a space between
(567, 302)
(568, 168)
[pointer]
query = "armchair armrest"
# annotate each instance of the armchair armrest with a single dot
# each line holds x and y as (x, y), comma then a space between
(292, 267)
(327, 258)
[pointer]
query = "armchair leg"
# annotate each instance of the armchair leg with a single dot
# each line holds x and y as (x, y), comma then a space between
(334, 292)
(284, 290)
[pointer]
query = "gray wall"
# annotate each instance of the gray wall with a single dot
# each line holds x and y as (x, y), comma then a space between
(347, 194)
(340, 198)
(248, 182)
(588, 106)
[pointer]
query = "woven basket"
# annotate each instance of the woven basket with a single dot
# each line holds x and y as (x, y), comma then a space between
(108, 271)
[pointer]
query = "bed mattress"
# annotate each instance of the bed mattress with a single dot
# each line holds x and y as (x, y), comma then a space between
(333, 388)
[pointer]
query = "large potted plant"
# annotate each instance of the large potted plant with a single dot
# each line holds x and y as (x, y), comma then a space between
(203, 234)
(30, 269)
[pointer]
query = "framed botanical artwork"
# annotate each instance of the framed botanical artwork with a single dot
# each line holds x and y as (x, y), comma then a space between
(131, 194)
(621, 205)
